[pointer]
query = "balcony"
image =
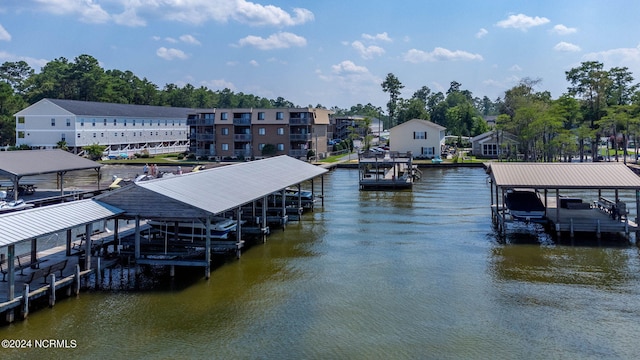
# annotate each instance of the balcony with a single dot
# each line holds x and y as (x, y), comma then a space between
(241, 122)
(299, 137)
(242, 137)
(199, 122)
(298, 153)
(205, 137)
(299, 121)
(245, 153)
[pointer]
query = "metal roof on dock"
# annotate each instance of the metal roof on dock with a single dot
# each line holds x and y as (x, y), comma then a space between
(35, 162)
(211, 191)
(33, 223)
(599, 175)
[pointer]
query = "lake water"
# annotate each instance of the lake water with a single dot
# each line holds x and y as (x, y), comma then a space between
(373, 275)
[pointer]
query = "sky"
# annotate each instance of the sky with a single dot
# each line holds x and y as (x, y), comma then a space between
(329, 52)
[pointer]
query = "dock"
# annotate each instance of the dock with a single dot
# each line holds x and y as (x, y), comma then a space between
(193, 197)
(390, 170)
(605, 212)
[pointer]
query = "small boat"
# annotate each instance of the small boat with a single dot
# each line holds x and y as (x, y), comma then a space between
(219, 229)
(9, 206)
(306, 197)
(525, 205)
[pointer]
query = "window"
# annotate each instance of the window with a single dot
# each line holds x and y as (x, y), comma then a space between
(81, 122)
(261, 115)
(69, 122)
(225, 147)
(429, 151)
(125, 122)
(490, 149)
(166, 122)
(224, 131)
(93, 122)
(421, 135)
(115, 122)
(105, 122)
(280, 147)
(53, 122)
(63, 137)
(94, 134)
(21, 120)
(122, 134)
(223, 116)
(260, 146)
(279, 115)
(134, 122)
(78, 135)
(101, 134)
(262, 131)
(280, 131)
(142, 123)
(116, 134)
(21, 135)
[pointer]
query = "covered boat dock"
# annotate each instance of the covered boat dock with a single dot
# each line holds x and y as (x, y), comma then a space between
(192, 197)
(603, 212)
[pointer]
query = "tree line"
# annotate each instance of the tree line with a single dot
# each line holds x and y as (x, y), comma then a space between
(598, 103)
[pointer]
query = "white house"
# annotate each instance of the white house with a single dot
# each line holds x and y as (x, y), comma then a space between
(421, 137)
(493, 144)
(122, 128)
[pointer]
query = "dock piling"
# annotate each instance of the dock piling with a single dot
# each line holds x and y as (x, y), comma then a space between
(52, 290)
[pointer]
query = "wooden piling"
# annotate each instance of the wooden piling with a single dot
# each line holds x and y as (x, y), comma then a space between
(25, 301)
(52, 290)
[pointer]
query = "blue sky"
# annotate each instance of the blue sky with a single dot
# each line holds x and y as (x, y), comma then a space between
(329, 52)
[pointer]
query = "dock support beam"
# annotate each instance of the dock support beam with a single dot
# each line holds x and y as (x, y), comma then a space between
(25, 301)
(52, 290)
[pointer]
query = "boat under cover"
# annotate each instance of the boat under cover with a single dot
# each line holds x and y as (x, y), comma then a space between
(525, 205)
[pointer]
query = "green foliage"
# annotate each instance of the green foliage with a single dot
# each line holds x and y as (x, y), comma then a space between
(94, 151)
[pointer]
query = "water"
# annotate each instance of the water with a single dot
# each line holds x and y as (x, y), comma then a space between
(373, 275)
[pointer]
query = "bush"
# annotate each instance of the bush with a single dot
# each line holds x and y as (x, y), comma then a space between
(180, 156)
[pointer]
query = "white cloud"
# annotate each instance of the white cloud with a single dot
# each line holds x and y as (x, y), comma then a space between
(348, 67)
(254, 63)
(516, 68)
(4, 34)
(522, 22)
(563, 30)
(367, 52)
(279, 40)
(187, 11)
(566, 47)
(481, 33)
(170, 54)
(439, 54)
(616, 57)
(87, 11)
(34, 63)
(189, 39)
(219, 84)
(382, 37)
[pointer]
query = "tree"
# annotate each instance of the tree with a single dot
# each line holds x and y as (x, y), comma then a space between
(393, 86)
(269, 150)
(94, 151)
(16, 74)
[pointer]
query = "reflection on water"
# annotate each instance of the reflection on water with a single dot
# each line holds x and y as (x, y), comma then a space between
(373, 275)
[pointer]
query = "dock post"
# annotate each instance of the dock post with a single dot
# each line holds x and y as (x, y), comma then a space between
(98, 273)
(76, 282)
(598, 229)
(571, 221)
(172, 270)
(25, 301)
(52, 290)
(9, 316)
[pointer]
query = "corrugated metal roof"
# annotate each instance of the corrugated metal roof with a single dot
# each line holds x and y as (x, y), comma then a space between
(564, 175)
(35, 162)
(28, 224)
(93, 108)
(215, 190)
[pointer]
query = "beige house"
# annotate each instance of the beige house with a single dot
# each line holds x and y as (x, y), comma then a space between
(423, 138)
(494, 144)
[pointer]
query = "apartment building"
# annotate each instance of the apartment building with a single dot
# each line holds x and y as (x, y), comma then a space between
(124, 129)
(243, 133)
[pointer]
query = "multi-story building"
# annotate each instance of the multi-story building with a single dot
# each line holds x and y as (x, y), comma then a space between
(343, 126)
(122, 128)
(243, 133)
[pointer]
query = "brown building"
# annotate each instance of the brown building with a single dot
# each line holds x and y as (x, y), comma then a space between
(243, 133)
